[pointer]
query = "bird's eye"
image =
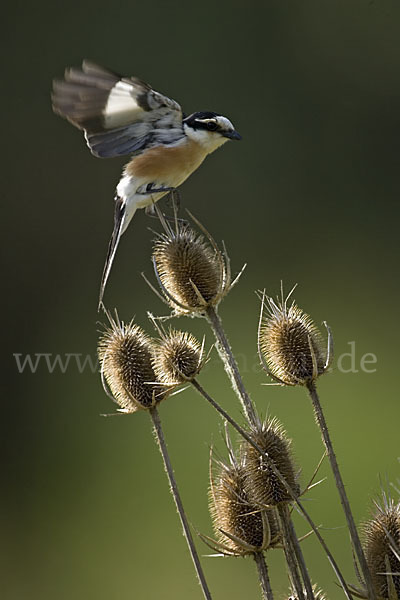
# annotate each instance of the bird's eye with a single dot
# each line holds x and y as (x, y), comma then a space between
(212, 126)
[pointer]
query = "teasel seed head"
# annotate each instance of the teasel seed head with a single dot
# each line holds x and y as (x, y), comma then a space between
(193, 274)
(263, 487)
(126, 358)
(240, 526)
(382, 548)
(290, 345)
(178, 357)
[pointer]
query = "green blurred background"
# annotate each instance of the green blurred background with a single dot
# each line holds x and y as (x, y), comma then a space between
(311, 195)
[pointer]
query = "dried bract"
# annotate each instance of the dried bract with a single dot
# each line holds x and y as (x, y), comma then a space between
(318, 594)
(192, 273)
(126, 358)
(262, 485)
(382, 548)
(290, 344)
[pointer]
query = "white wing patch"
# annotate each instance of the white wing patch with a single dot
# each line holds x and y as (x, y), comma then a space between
(121, 108)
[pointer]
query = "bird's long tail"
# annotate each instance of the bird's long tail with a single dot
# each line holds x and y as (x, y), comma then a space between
(119, 227)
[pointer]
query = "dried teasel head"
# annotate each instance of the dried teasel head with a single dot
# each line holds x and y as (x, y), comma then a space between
(193, 273)
(178, 357)
(240, 526)
(263, 487)
(290, 345)
(382, 548)
(126, 358)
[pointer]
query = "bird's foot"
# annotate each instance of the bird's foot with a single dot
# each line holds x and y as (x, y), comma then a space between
(150, 189)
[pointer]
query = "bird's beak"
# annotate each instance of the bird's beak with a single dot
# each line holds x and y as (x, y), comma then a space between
(232, 135)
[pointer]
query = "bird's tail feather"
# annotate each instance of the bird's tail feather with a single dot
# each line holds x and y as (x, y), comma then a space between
(119, 222)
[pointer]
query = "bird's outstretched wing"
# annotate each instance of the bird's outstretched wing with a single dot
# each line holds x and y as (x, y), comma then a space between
(119, 115)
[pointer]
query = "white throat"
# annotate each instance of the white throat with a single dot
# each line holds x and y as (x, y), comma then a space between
(210, 140)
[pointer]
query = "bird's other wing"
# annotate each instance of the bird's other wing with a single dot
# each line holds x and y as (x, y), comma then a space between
(119, 115)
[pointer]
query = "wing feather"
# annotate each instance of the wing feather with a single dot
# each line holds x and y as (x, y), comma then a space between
(117, 142)
(118, 115)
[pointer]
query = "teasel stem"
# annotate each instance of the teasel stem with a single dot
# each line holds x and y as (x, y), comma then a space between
(178, 502)
(290, 554)
(225, 351)
(341, 489)
(284, 515)
(276, 472)
(300, 559)
(263, 576)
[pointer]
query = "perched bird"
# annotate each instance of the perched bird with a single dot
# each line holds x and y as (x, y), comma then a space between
(123, 115)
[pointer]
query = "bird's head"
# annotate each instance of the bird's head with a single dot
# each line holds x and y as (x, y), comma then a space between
(209, 129)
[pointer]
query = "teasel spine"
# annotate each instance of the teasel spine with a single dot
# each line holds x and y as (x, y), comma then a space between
(318, 594)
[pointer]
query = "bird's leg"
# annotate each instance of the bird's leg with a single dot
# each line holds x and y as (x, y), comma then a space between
(174, 197)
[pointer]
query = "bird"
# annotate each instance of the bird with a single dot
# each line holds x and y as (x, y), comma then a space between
(125, 116)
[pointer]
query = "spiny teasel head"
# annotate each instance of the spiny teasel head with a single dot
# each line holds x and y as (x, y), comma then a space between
(263, 486)
(318, 594)
(240, 526)
(193, 274)
(178, 357)
(290, 345)
(126, 358)
(382, 548)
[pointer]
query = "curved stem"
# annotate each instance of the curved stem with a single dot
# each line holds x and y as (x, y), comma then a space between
(178, 502)
(263, 576)
(341, 489)
(278, 474)
(229, 361)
